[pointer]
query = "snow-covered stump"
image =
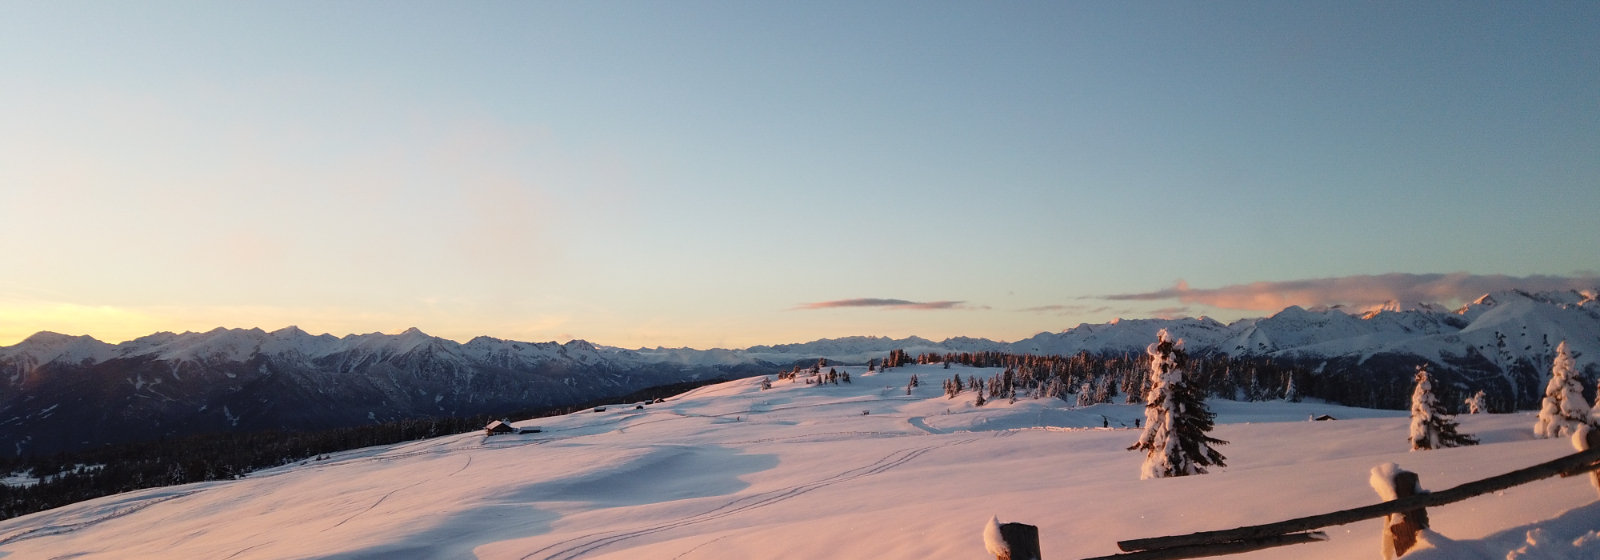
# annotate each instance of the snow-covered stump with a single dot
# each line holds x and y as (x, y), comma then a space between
(1011, 541)
(1399, 529)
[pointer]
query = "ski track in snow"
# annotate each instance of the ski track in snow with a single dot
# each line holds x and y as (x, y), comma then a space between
(51, 530)
(700, 546)
(579, 546)
(247, 549)
(392, 492)
(820, 436)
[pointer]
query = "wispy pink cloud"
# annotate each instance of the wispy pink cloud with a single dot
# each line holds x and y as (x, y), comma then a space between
(1360, 291)
(1047, 308)
(884, 303)
(1060, 309)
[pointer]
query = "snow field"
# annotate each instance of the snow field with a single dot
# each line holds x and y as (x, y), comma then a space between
(730, 471)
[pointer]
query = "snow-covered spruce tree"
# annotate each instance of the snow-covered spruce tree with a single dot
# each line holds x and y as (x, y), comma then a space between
(1083, 397)
(1563, 409)
(1431, 427)
(1175, 438)
(1478, 403)
(1103, 390)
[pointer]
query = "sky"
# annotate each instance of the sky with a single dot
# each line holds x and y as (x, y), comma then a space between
(726, 174)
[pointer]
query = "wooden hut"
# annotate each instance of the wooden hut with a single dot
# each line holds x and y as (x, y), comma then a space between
(498, 427)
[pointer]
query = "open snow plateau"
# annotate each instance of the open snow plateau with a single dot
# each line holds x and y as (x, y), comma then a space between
(858, 470)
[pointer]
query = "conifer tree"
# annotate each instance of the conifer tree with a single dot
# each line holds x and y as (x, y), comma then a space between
(1054, 389)
(1102, 390)
(1175, 438)
(1563, 409)
(1431, 427)
(1478, 403)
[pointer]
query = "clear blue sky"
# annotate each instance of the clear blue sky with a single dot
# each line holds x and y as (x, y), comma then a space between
(737, 173)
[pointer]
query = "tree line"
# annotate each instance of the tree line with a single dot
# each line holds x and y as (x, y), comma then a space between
(1103, 378)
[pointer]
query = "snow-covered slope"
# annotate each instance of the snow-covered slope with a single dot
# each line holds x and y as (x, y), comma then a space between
(859, 470)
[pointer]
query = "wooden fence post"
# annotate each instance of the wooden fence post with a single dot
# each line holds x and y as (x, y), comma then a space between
(1023, 540)
(1592, 438)
(1587, 438)
(1011, 541)
(1400, 528)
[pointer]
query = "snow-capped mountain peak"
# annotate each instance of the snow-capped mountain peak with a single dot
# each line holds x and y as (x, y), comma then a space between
(45, 347)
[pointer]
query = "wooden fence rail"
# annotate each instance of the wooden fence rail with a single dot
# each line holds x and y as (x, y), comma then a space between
(1294, 531)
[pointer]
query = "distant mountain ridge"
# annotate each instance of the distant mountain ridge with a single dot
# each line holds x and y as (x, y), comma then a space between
(1503, 343)
(1427, 330)
(62, 392)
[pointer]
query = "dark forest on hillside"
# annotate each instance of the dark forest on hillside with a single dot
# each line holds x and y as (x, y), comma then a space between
(82, 475)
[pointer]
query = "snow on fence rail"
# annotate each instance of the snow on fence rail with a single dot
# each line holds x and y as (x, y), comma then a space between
(1297, 531)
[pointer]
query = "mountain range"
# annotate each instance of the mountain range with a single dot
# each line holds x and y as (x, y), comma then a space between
(60, 392)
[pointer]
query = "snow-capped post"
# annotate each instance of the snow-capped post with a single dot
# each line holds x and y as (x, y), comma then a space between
(1563, 409)
(1011, 541)
(1175, 438)
(1399, 529)
(1586, 437)
(1431, 428)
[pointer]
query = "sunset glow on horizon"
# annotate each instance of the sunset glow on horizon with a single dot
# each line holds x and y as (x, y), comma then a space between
(726, 175)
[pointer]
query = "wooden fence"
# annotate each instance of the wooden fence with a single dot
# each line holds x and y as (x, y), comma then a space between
(1300, 530)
